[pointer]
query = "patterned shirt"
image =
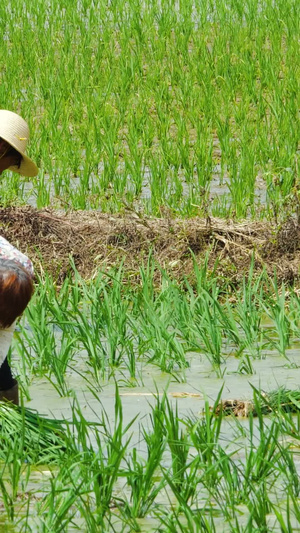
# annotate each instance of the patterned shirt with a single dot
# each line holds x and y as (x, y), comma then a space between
(8, 251)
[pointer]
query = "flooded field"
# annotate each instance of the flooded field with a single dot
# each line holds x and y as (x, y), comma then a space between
(159, 359)
(237, 438)
(144, 106)
(136, 376)
(217, 192)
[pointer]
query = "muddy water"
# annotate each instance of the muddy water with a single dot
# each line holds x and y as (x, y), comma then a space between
(187, 389)
(198, 381)
(219, 188)
(271, 373)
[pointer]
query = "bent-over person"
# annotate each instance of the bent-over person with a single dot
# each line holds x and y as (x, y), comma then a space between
(16, 270)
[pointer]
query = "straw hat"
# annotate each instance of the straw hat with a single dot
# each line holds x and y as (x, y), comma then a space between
(15, 131)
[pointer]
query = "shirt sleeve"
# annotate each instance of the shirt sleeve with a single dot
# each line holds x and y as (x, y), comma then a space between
(6, 336)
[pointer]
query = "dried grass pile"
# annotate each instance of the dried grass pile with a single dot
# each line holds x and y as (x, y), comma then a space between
(97, 240)
(280, 399)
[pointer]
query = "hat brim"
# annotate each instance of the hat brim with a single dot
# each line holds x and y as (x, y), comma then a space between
(27, 167)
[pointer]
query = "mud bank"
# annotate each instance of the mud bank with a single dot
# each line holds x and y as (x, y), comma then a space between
(96, 241)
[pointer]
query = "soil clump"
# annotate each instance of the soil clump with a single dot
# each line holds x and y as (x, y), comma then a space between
(276, 401)
(97, 241)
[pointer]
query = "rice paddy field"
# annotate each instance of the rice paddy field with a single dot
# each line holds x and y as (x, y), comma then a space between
(155, 402)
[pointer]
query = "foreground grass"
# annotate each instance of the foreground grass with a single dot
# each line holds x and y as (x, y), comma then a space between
(156, 105)
(185, 474)
(121, 329)
(195, 472)
(143, 107)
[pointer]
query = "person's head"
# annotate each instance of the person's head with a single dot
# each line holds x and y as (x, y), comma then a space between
(14, 135)
(9, 157)
(16, 290)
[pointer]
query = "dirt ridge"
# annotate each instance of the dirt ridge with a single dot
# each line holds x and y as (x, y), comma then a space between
(97, 240)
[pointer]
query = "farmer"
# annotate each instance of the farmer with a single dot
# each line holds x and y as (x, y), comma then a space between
(16, 270)
(16, 289)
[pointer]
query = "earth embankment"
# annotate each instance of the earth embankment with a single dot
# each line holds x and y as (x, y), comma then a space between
(96, 241)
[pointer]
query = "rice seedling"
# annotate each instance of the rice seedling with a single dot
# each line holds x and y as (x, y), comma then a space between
(143, 477)
(187, 520)
(30, 436)
(248, 312)
(153, 107)
(107, 113)
(259, 506)
(8, 501)
(105, 468)
(58, 508)
(290, 469)
(276, 311)
(210, 332)
(118, 328)
(95, 457)
(204, 434)
(182, 478)
(143, 484)
(153, 326)
(260, 469)
(43, 349)
(245, 365)
(285, 522)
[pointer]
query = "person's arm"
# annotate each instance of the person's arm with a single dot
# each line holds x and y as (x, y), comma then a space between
(6, 336)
